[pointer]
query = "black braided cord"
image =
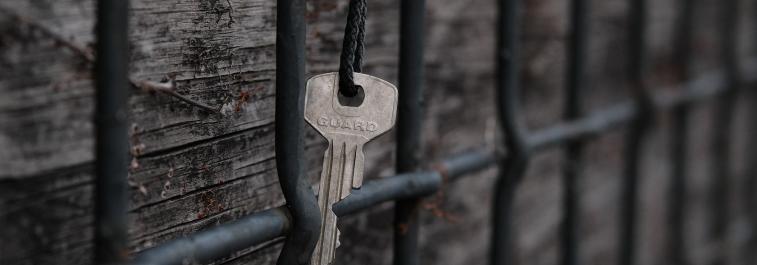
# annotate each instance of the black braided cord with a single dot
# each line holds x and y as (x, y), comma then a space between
(353, 45)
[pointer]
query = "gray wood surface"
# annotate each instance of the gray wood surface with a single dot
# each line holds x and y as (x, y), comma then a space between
(194, 169)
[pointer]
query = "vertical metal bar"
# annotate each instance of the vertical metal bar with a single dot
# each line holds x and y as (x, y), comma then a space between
(676, 244)
(749, 189)
(634, 138)
(112, 136)
(573, 149)
(511, 171)
(290, 74)
(410, 115)
(721, 151)
(512, 167)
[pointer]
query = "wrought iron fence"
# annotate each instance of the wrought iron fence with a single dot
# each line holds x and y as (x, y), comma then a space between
(299, 220)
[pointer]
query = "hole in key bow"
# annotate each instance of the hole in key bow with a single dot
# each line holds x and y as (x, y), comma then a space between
(353, 101)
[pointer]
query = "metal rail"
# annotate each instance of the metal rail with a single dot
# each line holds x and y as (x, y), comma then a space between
(511, 167)
(264, 226)
(574, 148)
(676, 245)
(111, 132)
(299, 220)
(290, 98)
(721, 137)
(409, 118)
(635, 136)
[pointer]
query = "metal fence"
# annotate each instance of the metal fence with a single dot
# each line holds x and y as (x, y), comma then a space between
(299, 220)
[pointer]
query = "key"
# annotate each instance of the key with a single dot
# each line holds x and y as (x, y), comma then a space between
(347, 125)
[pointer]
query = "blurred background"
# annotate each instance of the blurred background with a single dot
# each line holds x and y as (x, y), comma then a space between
(192, 169)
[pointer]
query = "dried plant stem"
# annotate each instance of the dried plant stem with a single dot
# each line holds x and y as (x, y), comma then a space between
(168, 89)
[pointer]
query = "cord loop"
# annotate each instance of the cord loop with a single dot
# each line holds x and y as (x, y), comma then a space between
(351, 59)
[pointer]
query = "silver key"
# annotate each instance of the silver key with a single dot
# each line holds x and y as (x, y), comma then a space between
(347, 129)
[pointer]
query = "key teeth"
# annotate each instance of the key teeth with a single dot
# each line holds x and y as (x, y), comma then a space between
(338, 236)
(357, 179)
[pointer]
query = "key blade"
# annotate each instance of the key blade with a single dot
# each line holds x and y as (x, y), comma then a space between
(330, 191)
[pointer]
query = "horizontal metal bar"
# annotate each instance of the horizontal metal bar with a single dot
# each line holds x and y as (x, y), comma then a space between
(222, 240)
(405, 186)
(704, 87)
(454, 167)
(590, 125)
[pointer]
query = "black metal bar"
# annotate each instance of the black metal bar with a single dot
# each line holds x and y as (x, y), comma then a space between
(588, 126)
(290, 74)
(512, 167)
(454, 167)
(574, 148)
(748, 198)
(410, 115)
(511, 170)
(698, 89)
(220, 241)
(258, 228)
(719, 202)
(635, 135)
(676, 245)
(112, 132)
(404, 186)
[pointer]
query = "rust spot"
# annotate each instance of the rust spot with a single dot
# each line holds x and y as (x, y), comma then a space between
(209, 204)
(137, 149)
(245, 96)
(436, 210)
(434, 206)
(403, 228)
(442, 169)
